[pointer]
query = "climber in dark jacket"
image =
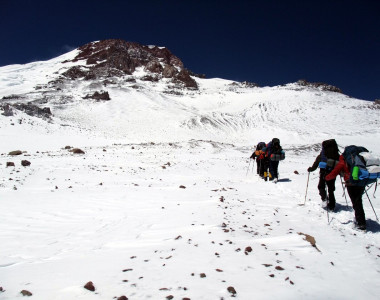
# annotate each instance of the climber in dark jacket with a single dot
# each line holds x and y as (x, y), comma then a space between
(273, 148)
(329, 152)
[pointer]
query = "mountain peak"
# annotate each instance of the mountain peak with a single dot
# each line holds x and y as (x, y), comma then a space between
(115, 57)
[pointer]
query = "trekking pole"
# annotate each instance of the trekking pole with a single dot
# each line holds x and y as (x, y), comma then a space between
(307, 185)
(328, 217)
(344, 190)
(248, 167)
(375, 183)
(372, 206)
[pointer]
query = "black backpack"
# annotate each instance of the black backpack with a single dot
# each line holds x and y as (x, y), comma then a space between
(330, 150)
(260, 146)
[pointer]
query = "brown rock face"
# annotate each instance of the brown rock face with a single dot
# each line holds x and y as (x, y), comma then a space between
(117, 58)
(320, 85)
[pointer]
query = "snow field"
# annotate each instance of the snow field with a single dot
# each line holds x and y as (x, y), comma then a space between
(117, 216)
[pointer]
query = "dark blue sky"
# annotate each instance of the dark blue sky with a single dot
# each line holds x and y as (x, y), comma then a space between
(266, 42)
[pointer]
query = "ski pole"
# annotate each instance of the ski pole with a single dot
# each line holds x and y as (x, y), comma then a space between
(307, 186)
(371, 205)
(344, 190)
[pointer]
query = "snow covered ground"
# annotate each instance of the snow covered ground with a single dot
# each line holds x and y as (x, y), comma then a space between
(165, 203)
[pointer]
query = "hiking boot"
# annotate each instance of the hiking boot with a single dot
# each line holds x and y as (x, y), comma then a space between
(325, 198)
(361, 227)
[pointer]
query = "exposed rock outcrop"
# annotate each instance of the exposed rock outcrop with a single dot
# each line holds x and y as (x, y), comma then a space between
(319, 85)
(102, 95)
(114, 57)
(28, 108)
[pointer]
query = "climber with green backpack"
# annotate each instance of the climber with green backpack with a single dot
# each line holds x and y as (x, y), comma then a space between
(358, 172)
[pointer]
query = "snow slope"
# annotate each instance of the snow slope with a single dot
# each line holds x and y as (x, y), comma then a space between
(165, 201)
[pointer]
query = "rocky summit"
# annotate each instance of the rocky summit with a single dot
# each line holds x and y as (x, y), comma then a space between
(110, 58)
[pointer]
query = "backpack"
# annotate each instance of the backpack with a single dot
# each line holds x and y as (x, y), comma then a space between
(276, 152)
(258, 153)
(329, 155)
(364, 168)
(260, 146)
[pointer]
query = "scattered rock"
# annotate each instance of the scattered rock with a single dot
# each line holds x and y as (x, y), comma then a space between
(77, 151)
(182, 187)
(231, 290)
(310, 239)
(26, 293)
(1, 289)
(89, 286)
(127, 270)
(202, 275)
(25, 163)
(169, 297)
(178, 237)
(10, 164)
(296, 172)
(279, 268)
(248, 250)
(14, 153)
(219, 270)
(68, 147)
(122, 298)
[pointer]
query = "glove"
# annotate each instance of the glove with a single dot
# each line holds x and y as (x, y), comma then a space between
(309, 169)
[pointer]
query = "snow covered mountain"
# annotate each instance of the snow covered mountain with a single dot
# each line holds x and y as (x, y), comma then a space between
(164, 202)
(134, 92)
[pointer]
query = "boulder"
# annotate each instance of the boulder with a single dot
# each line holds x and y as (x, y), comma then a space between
(77, 151)
(14, 153)
(25, 163)
(26, 293)
(89, 286)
